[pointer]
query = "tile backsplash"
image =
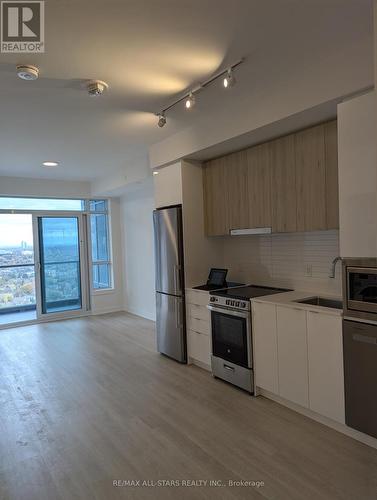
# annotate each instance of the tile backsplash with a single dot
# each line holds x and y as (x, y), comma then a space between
(294, 260)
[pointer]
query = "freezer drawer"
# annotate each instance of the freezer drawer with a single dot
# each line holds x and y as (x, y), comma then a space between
(170, 325)
(360, 376)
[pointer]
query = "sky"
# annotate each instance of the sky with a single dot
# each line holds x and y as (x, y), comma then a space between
(15, 228)
(39, 204)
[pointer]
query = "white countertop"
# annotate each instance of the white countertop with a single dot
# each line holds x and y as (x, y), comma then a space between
(288, 299)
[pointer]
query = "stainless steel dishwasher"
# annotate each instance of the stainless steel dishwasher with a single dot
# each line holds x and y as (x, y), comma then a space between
(360, 375)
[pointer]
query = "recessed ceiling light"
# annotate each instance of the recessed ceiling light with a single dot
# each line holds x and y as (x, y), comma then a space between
(155, 172)
(50, 163)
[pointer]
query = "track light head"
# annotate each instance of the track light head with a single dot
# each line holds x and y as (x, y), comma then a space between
(190, 101)
(229, 79)
(161, 119)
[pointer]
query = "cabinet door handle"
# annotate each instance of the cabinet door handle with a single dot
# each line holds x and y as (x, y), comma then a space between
(364, 338)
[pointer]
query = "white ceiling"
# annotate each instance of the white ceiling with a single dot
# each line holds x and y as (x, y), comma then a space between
(149, 51)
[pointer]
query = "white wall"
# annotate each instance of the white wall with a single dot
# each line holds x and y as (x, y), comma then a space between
(137, 235)
(20, 186)
(281, 260)
(200, 252)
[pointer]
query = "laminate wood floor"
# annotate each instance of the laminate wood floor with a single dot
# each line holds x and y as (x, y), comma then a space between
(88, 401)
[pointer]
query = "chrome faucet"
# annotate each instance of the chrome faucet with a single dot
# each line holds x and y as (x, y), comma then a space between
(333, 266)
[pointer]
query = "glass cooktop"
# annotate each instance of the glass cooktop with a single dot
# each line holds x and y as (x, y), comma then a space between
(248, 291)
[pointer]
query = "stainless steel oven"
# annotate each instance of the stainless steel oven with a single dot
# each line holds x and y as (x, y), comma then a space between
(232, 345)
(360, 289)
(231, 335)
(232, 351)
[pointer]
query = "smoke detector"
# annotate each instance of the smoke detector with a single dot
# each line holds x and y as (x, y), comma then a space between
(96, 87)
(27, 72)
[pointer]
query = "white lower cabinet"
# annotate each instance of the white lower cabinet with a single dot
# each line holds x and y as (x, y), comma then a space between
(298, 355)
(199, 347)
(325, 353)
(265, 347)
(198, 328)
(292, 355)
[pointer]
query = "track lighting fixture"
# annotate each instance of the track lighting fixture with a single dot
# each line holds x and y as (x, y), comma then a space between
(229, 79)
(161, 119)
(190, 101)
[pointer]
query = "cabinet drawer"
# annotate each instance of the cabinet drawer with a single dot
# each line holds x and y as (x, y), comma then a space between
(198, 312)
(199, 347)
(198, 325)
(197, 297)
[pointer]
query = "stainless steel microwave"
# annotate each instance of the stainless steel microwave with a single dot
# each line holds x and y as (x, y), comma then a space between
(360, 288)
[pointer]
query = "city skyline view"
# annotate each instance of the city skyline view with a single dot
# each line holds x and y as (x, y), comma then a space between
(15, 228)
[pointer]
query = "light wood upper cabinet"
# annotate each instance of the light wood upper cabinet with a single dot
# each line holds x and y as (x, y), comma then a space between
(332, 191)
(289, 184)
(283, 184)
(236, 190)
(258, 187)
(215, 206)
(310, 179)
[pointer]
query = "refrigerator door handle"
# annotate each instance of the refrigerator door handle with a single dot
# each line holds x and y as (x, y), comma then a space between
(177, 314)
(177, 281)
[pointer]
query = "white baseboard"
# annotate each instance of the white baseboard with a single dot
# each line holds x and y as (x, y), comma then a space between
(359, 436)
(140, 312)
(106, 310)
(204, 366)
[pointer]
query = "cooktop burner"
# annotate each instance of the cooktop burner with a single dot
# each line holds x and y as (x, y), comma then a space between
(248, 292)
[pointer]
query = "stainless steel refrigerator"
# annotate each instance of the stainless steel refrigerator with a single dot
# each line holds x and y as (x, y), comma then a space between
(170, 299)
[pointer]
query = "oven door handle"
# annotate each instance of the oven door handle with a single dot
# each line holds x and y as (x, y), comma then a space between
(231, 312)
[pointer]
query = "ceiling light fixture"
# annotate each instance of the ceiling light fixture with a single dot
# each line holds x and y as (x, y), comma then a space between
(189, 99)
(27, 72)
(229, 79)
(50, 163)
(155, 172)
(161, 119)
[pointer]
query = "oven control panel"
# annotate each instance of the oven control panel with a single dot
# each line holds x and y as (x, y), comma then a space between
(231, 303)
(236, 303)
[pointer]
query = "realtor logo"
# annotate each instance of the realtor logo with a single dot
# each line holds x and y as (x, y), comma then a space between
(22, 26)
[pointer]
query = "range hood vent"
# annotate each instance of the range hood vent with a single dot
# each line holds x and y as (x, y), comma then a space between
(251, 230)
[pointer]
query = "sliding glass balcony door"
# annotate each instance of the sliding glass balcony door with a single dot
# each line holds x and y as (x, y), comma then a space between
(17, 269)
(61, 279)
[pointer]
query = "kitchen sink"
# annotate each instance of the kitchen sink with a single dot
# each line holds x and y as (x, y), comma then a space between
(321, 301)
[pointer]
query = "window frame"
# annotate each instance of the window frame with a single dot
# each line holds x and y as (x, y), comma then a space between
(86, 213)
(109, 262)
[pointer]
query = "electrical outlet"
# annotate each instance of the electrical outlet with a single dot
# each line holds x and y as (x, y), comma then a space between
(308, 270)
